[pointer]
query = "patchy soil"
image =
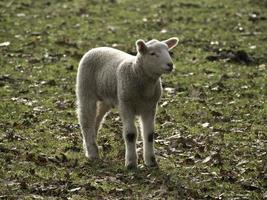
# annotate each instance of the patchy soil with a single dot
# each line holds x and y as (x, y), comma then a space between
(211, 122)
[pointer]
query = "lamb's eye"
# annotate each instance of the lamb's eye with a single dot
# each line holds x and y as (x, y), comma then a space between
(153, 54)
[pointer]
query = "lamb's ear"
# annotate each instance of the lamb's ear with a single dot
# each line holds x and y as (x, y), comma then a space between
(141, 46)
(171, 42)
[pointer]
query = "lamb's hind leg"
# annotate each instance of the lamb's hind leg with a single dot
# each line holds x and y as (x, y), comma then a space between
(102, 109)
(87, 117)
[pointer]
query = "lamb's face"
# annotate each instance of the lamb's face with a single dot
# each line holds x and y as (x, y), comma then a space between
(158, 59)
(155, 55)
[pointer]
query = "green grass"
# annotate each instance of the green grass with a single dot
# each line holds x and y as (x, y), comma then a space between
(211, 132)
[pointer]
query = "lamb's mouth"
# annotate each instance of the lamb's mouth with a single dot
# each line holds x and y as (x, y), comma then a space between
(169, 69)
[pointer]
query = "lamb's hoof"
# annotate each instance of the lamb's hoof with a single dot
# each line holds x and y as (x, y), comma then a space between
(92, 157)
(131, 166)
(91, 152)
(152, 163)
(154, 166)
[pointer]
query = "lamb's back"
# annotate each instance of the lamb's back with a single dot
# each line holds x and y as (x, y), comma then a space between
(102, 64)
(105, 57)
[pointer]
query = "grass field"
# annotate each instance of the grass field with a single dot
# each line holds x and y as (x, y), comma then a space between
(211, 122)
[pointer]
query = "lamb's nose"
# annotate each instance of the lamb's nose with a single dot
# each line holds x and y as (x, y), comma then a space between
(170, 65)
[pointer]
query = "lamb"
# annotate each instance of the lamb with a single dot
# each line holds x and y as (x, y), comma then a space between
(109, 78)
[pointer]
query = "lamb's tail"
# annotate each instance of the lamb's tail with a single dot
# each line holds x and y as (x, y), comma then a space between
(85, 82)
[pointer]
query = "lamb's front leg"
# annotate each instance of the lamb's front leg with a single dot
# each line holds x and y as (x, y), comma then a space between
(148, 133)
(130, 136)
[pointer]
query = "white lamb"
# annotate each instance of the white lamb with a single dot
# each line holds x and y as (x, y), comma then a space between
(109, 77)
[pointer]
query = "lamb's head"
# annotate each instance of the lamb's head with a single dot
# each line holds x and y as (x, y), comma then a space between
(154, 55)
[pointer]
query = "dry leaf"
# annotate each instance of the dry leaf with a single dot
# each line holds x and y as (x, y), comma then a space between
(4, 44)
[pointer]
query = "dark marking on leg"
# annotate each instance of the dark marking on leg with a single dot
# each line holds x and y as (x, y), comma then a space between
(130, 137)
(150, 137)
(153, 159)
